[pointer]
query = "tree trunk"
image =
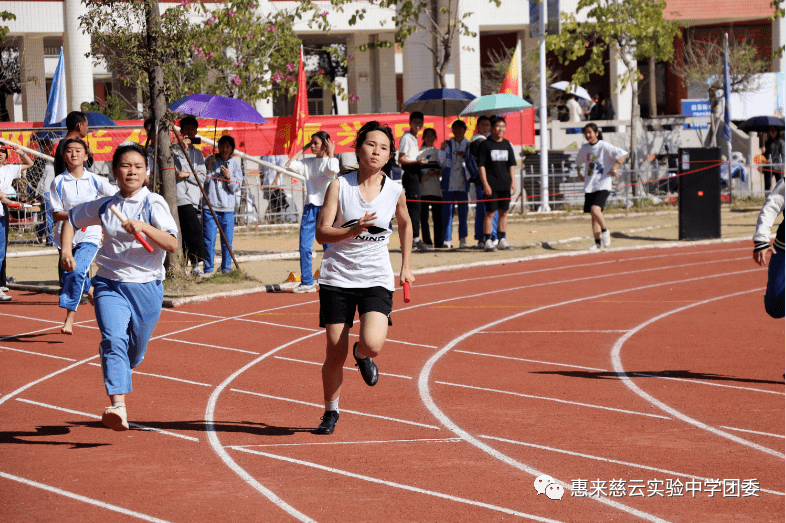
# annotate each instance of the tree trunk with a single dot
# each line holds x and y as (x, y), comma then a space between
(653, 91)
(158, 106)
(634, 120)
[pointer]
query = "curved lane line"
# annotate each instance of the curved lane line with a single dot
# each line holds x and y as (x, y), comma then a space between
(617, 363)
(425, 394)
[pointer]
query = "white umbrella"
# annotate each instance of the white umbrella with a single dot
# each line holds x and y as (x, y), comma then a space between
(576, 89)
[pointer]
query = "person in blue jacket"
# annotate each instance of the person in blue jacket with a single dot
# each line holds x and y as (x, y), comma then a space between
(223, 180)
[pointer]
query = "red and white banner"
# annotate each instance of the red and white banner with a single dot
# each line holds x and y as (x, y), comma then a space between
(275, 136)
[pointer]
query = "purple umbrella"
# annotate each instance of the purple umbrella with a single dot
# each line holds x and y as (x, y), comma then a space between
(218, 107)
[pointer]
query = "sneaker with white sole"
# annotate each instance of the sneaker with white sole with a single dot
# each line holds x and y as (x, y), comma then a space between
(447, 245)
(463, 244)
(198, 272)
(115, 418)
(594, 247)
(419, 245)
(606, 237)
(503, 244)
(481, 244)
(490, 247)
(305, 288)
(4, 296)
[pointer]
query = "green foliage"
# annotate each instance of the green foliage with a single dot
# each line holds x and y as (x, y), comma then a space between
(115, 107)
(5, 16)
(636, 26)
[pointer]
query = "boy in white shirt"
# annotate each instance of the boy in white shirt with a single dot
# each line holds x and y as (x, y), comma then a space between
(128, 286)
(455, 185)
(8, 173)
(602, 161)
(76, 185)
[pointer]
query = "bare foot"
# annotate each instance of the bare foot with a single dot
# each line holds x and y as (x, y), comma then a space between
(68, 326)
(67, 329)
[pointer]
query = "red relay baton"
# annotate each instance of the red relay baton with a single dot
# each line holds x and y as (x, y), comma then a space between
(14, 205)
(406, 292)
(122, 217)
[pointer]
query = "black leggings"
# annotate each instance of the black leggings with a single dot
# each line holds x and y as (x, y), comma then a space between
(436, 215)
(191, 228)
(411, 183)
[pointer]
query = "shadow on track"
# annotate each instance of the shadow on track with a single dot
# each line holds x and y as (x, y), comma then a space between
(683, 374)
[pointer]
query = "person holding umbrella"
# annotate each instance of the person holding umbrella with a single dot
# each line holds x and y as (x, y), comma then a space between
(223, 180)
(773, 150)
(189, 196)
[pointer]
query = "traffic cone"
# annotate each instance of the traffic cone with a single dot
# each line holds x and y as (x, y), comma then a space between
(293, 276)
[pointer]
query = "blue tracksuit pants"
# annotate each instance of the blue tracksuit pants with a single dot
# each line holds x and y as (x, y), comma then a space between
(76, 282)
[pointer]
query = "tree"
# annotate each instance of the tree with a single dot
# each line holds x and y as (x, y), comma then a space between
(5, 16)
(633, 29)
(703, 64)
(444, 20)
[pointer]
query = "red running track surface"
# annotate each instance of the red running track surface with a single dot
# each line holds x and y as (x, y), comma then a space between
(636, 372)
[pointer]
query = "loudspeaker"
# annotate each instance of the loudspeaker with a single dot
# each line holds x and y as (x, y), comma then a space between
(700, 193)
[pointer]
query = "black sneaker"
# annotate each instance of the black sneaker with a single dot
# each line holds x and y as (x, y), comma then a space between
(368, 369)
(328, 422)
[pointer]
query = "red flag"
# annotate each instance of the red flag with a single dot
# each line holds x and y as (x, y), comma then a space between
(511, 82)
(301, 106)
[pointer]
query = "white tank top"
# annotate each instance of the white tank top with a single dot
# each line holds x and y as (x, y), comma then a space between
(362, 261)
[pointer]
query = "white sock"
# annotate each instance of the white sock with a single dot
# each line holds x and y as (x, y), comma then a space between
(118, 404)
(331, 405)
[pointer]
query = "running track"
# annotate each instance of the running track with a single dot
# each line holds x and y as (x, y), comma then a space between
(638, 366)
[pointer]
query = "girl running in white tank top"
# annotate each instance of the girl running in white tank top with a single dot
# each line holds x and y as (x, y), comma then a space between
(356, 270)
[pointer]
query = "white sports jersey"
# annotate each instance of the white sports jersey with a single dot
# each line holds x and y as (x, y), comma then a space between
(122, 257)
(363, 261)
(319, 172)
(67, 191)
(8, 173)
(599, 159)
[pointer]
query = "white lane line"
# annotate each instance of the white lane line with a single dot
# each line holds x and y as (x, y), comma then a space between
(609, 460)
(39, 380)
(388, 340)
(322, 406)
(162, 376)
(397, 485)
(582, 266)
(617, 363)
(94, 416)
(207, 345)
(218, 448)
(345, 368)
(38, 354)
(590, 405)
(429, 440)
(81, 498)
(551, 332)
(755, 432)
(282, 325)
(530, 361)
(700, 382)
(428, 401)
(79, 323)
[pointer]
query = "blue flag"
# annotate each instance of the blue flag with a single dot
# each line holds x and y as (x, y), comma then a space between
(56, 106)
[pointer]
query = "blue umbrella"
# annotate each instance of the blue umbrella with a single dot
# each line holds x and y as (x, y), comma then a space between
(93, 120)
(438, 102)
(761, 124)
(218, 107)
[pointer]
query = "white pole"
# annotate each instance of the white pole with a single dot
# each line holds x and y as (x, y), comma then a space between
(544, 128)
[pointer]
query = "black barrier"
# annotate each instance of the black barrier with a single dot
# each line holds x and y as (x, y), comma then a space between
(700, 193)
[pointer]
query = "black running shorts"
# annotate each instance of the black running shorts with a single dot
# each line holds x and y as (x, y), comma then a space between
(595, 198)
(337, 304)
(498, 201)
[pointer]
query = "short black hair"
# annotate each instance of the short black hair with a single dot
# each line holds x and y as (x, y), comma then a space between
(417, 115)
(228, 140)
(74, 140)
(126, 148)
(188, 120)
(150, 121)
(496, 119)
(458, 123)
(372, 126)
(483, 118)
(74, 118)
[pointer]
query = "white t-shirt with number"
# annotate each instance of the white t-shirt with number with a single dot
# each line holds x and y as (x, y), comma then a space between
(598, 160)
(67, 192)
(8, 173)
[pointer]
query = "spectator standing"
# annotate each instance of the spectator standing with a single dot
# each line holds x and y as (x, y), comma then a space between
(575, 113)
(408, 159)
(455, 186)
(44, 230)
(189, 196)
(482, 130)
(223, 180)
(8, 173)
(773, 206)
(430, 190)
(601, 161)
(76, 129)
(773, 150)
(497, 163)
(271, 181)
(319, 172)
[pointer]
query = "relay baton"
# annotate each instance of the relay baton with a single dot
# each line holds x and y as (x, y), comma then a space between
(406, 292)
(122, 217)
(14, 205)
